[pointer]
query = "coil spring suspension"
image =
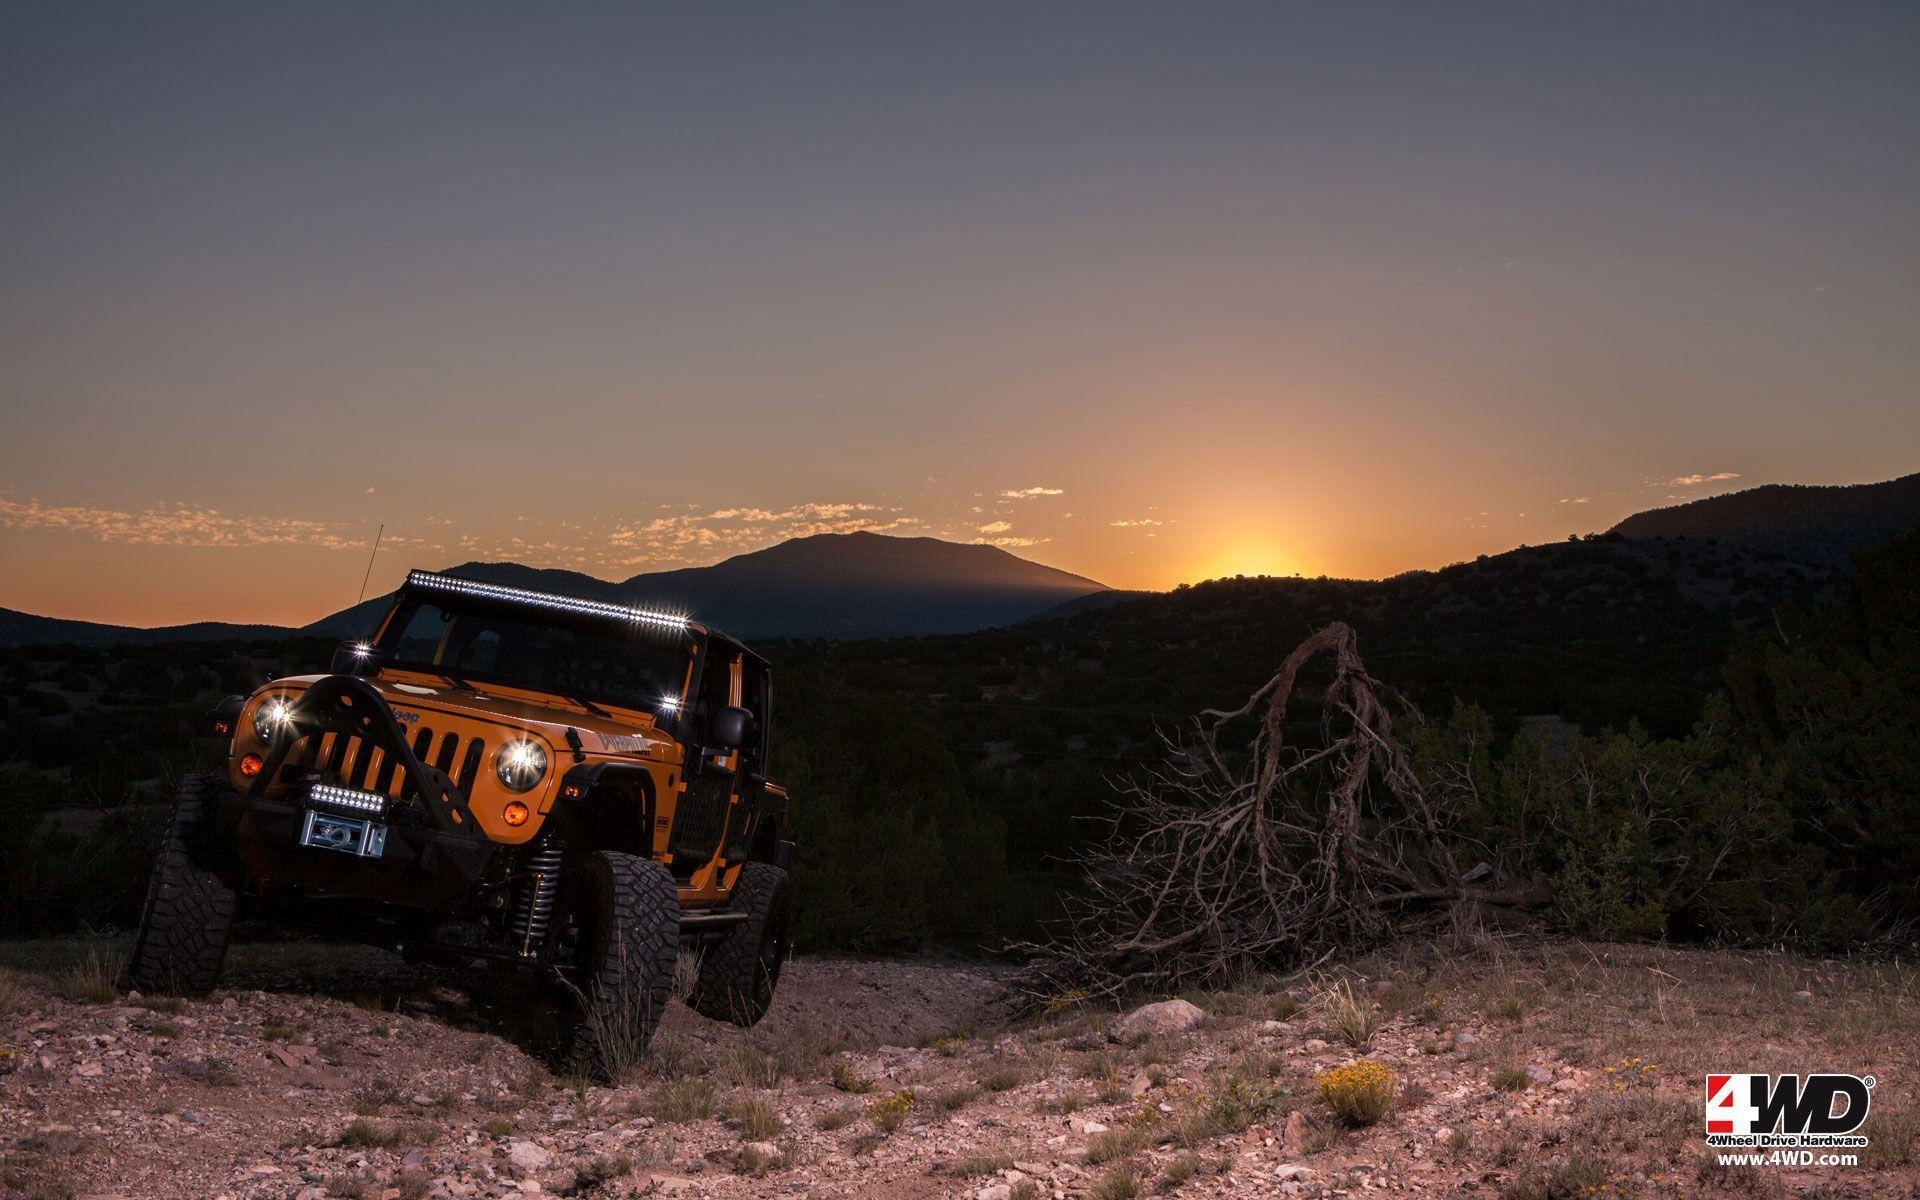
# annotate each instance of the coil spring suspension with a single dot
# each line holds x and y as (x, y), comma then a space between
(533, 914)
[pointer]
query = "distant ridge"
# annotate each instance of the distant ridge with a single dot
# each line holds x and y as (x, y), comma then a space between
(1812, 523)
(27, 629)
(845, 585)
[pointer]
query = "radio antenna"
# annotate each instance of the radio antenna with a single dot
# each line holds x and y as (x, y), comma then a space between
(378, 534)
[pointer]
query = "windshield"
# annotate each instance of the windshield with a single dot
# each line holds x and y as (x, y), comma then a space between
(588, 662)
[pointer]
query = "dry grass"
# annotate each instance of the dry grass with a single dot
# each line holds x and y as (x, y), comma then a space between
(1512, 1079)
(682, 1100)
(978, 1163)
(1002, 1079)
(95, 979)
(1122, 1183)
(832, 1119)
(752, 1160)
(362, 1134)
(1117, 1144)
(757, 1120)
(1349, 1014)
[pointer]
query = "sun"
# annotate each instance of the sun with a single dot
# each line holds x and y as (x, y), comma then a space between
(1247, 556)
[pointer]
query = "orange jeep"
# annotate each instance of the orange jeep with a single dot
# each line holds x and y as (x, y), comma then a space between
(500, 775)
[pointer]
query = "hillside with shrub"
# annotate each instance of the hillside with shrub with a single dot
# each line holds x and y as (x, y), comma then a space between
(1664, 731)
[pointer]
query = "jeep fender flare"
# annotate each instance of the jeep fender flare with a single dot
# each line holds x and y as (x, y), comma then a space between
(605, 806)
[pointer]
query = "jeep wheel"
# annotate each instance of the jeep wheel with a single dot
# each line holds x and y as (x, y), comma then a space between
(189, 914)
(628, 914)
(739, 972)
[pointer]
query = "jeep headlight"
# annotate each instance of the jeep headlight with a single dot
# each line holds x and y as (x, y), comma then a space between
(273, 716)
(520, 765)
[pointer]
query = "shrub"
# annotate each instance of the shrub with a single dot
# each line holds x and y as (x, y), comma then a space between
(1359, 1093)
(846, 1079)
(890, 1111)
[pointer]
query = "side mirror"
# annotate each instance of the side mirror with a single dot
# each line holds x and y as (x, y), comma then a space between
(222, 717)
(730, 727)
(355, 657)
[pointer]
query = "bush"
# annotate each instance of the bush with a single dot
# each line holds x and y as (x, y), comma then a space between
(1359, 1093)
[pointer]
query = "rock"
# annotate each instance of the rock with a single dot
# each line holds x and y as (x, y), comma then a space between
(291, 1056)
(1140, 1086)
(527, 1156)
(765, 1150)
(1168, 1016)
(995, 1191)
(1030, 1168)
(1314, 1045)
(90, 1070)
(1567, 1085)
(1294, 1139)
(1465, 1037)
(1442, 1134)
(1287, 1171)
(1803, 997)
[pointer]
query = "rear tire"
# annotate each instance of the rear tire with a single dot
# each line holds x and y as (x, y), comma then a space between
(738, 973)
(188, 919)
(628, 908)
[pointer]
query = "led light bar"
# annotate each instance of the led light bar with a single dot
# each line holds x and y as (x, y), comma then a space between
(352, 799)
(492, 591)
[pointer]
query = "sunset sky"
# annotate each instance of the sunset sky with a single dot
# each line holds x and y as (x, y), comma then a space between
(1151, 293)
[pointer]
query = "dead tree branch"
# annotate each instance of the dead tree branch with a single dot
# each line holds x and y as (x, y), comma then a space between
(1222, 860)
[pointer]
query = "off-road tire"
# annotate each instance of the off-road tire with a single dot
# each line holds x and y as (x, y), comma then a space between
(188, 919)
(629, 909)
(738, 973)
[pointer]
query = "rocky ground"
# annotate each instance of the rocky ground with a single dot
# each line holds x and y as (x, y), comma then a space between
(1528, 1071)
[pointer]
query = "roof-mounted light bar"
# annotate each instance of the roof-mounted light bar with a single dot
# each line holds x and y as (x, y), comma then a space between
(429, 581)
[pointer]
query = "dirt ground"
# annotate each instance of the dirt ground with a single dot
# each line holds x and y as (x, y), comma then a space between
(1527, 1071)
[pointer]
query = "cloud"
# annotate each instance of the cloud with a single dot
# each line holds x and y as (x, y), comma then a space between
(997, 527)
(685, 538)
(179, 525)
(1030, 493)
(1134, 524)
(1697, 480)
(1574, 500)
(1011, 541)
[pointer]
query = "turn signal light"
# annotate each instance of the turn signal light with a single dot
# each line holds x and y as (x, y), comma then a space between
(250, 765)
(515, 813)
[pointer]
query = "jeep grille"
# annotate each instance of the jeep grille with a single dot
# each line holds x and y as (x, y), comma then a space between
(358, 763)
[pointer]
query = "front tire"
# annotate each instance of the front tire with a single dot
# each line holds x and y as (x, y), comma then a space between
(628, 909)
(739, 972)
(188, 919)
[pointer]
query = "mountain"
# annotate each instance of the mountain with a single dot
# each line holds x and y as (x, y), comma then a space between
(861, 585)
(27, 629)
(1807, 522)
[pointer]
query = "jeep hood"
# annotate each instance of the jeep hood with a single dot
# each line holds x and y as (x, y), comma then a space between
(620, 731)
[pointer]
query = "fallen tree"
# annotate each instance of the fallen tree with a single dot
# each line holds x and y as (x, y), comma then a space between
(1225, 861)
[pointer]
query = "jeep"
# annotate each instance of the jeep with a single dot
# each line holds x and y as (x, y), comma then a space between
(500, 776)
